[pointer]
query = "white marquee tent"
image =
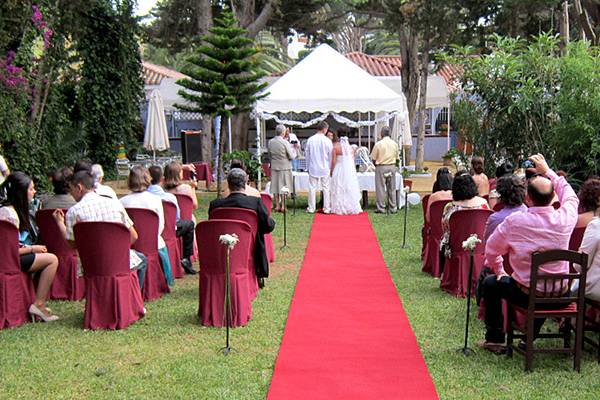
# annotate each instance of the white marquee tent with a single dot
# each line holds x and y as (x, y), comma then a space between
(327, 83)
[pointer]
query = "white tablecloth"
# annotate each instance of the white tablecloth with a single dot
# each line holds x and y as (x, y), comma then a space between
(366, 181)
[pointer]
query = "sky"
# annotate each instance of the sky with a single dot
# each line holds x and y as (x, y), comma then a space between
(144, 6)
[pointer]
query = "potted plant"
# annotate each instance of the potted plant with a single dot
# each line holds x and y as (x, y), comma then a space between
(444, 130)
(449, 159)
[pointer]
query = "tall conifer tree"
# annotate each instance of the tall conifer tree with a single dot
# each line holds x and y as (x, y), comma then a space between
(224, 76)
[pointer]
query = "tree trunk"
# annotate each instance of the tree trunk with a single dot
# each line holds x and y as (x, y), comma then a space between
(204, 16)
(564, 26)
(220, 152)
(204, 24)
(423, 101)
(206, 149)
(409, 51)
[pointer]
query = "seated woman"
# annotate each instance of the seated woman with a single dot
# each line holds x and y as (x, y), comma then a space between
(102, 190)
(464, 197)
(138, 182)
(436, 184)
(589, 202)
(174, 182)
(503, 169)
(480, 179)
(61, 197)
(512, 190)
(250, 191)
(19, 191)
(591, 246)
(444, 189)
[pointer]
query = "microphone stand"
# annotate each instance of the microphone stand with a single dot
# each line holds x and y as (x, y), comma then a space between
(465, 349)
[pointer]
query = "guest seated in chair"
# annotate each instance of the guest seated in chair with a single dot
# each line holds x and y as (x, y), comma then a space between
(102, 190)
(185, 228)
(91, 207)
(236, 180)
(464, 197)
(19, 191)
(138, 182)
(480, 178)
(540, 228)
(174, 182)
(61, 197)
(511, 189)
(589, 202)
(502, 170)
(250, 191)
(439, 174)
(443, 184)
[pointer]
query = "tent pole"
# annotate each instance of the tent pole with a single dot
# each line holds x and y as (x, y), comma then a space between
(448, 141)
(229, 132)
(369, 128)
(359, 137)
(258, 152)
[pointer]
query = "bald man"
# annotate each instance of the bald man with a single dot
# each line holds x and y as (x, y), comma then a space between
(540, 228)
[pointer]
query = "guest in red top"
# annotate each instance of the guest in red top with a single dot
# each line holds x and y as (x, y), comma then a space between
(589, 202)
(540, 228)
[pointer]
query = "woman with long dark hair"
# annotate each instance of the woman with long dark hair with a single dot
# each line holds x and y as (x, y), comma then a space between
(19, 191)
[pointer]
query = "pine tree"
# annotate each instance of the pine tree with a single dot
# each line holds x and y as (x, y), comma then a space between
(224, 74)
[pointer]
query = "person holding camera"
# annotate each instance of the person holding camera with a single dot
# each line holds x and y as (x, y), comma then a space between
(281, 154)
(521, 234)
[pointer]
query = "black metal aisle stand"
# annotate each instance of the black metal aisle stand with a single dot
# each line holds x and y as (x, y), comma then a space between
(227, 349)
(285, 221)
(465, 349)
(405, 216)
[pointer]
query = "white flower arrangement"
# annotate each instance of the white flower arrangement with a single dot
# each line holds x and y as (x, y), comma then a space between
(471, 242)
(284, 190)
(229, 240)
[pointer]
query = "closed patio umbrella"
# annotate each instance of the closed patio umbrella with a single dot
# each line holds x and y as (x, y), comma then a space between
(156, 137)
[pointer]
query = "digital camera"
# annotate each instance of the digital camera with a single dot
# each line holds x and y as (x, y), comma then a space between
(527, 164)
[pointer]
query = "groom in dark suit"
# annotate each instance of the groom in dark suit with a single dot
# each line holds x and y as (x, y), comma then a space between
(236, 180)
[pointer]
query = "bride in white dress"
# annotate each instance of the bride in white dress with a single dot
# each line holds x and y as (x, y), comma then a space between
(345, 193)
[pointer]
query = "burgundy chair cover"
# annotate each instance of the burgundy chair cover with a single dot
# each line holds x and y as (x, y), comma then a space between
(498, 206)
(213, 272)
(250, 217)
(113, 295)
(170, 237)
(186, 211)
(464, 223)
(67, 285)
(16, 288)
(431, 262)
(269, 245)
(146, 224)
(203, 173)
(576, 238)
(425, 227)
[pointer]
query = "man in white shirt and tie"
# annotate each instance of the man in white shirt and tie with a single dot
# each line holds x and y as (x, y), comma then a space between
(318, 161)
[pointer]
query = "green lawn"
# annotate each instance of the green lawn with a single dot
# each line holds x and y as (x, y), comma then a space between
(168, 355)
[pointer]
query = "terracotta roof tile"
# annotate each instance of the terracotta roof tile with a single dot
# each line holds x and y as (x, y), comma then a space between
(375, 65)
(452, 74)
(154, 74)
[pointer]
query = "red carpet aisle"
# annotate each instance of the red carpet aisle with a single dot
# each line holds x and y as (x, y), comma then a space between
(347, 336)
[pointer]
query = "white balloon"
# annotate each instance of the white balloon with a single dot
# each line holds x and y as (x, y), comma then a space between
(413, 199)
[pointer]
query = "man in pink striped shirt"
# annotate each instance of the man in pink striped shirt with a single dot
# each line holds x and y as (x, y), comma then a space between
(540, 228)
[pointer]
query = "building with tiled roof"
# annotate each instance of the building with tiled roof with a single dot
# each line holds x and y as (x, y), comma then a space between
(165, 80)
(375, 65)
(154, 74)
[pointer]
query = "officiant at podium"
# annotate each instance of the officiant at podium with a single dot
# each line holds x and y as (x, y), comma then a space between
(385, 156)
